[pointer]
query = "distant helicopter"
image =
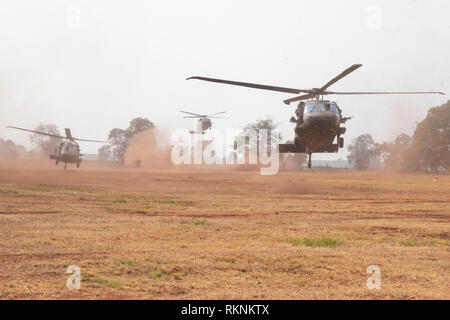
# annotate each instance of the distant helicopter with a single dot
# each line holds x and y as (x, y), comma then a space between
(68, 150)
(204, 121)
(318, 121)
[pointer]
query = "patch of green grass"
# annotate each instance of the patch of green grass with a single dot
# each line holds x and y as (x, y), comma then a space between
(87, 277)
(27, 245)
(119, 201)
(317, 242)
(199, 222)
(228, 260)
(102, 281)
(432, 243)
(388, 239)
(110, 209)
(408, 242)
(155, 272)
(8, 191)
(176, 202)
(129, 262)
(142, 210)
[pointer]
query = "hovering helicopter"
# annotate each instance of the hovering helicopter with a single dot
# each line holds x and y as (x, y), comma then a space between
(318, 121)
(204, 121)
(68, 151)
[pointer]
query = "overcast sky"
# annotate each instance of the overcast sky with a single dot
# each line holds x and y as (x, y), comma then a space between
(95, 65)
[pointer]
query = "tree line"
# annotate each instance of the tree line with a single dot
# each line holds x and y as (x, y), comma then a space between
(428, 149)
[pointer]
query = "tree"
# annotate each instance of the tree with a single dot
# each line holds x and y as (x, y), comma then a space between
(119, 138)
(395, 153)
(45, 145)
(104, 152)
(430, 145)
(9, 149)
(254, 128)
(138, 125)
(362, 149)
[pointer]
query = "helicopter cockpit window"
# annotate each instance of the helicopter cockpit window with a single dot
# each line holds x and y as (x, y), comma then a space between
(321, 107)
(311, 107)
(334, 108)
(69, 149)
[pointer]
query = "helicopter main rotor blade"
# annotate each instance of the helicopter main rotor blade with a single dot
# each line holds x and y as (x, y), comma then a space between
(215, 117)
(213, 114)
(193, 117)
(298, 98)
(38, 132)
(340, 76)
(251, 85)
(76, 139)
(387, 92)
(194, 114)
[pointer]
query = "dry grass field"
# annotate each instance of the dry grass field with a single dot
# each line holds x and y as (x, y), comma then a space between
(220, 234)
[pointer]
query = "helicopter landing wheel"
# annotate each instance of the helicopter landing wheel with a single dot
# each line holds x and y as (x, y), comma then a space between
(341, 143)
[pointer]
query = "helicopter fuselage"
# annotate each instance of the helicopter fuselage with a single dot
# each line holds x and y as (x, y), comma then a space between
(205, 123)
(66, 158)
(317, 125)
(68, 152)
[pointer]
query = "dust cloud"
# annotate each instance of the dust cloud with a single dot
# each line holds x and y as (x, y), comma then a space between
(150, 149)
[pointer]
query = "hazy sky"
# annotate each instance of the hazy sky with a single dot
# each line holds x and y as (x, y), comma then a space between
(95, 65)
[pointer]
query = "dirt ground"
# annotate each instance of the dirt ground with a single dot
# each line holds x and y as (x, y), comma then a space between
(218, 234)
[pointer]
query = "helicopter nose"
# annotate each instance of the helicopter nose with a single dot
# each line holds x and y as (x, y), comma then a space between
(322, 120)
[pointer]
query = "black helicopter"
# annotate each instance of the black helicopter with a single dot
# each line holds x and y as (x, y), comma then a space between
(318, 121)
(204, 120)
(68, 150)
